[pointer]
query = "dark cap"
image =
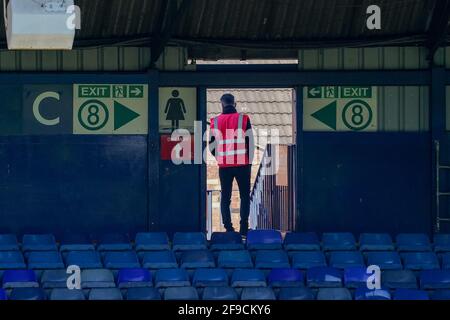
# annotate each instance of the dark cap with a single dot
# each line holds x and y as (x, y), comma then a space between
(227, 99)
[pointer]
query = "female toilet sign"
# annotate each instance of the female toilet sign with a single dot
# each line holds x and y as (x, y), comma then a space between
(177, 109)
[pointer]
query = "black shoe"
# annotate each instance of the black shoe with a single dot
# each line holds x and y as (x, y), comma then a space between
(229, 229)
(243, 232)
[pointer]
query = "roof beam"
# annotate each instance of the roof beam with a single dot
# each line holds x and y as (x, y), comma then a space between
(437, 26)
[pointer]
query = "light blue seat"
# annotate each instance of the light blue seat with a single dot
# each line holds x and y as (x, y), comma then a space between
(39, 242)
(398, 279)
(296, 293)
(338, 241)
(159, 260)
(114, 242)
(121, 260)
(413, 242)
(197, 259)
(420, 260)
(181, 293)
(258, 293)
(105, 294)
(264, 240)
(376, 242)
(64, 294)
(8, 242)
(374, 294)
(76, 242)
(27, 294)
(131, 278)
(285, 277)
(435, 279)
(346, 259)
(386, 260)
(441, 242)
(54, 279)
(150, 241)
(97, 278)
(143, 294)
(226, 241)
(269, 259)
(308, 259)
(189, 241)
(334, 294)
(234, 259)
(45, 260)
(355, 277)
(11, 260)
(19, 279)
(210, 278)
(301, 241)
(323, 277)
(443, 294)
(248, 278)
(84, 259)
(410, 294)
(172, 278)
(219, 293)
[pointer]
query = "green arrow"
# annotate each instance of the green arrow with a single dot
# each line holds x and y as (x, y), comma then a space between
(123, 115)
(327, 115)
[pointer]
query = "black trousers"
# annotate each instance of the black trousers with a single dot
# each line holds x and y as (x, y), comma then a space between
(242, 175)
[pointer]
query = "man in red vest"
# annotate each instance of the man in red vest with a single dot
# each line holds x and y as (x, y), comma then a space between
(231, 143)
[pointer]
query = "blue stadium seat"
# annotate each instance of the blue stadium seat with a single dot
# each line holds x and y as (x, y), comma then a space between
(84, 259)
(64, 294)
(131, 278)
(45, 260)
(410, 294)
(19, 279)
(121, 260)
(338, 241)
(285, 277)
(105, 294)
(323, 277)
(210, 278)
(301, 241)
(308, 259)
(219, 293)
(8, 242)
(248, 278)
(172, 278)
(39, 242)
(258, 293)
(143, 294)
(3, 295)
(268, 259)
(440, 295)
(413, 242)
(27, 294)
(159, 260)
(226, 241)
(12, 260)
(334, 294)
(376, 242)
(296, 293)
(197, 259)
(355, 277)
(150, 241)
(386, 260)
(441, 242)
(420, 260)
(346, 259)
(446, 260)
(368, 294)
(189, 241)
(76, 242)
(234, 259)
(97, 278)
(54, 279)
(264, 240)
(181, 293)
(398, 279)
(435, 279)
(114, 242)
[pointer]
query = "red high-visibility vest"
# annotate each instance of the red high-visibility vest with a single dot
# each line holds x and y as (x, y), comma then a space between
(229, 132)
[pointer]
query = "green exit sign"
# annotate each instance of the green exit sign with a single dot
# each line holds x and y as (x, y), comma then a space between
(356, 92)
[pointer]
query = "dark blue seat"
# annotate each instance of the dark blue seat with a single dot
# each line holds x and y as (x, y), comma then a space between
(97, 278)
(64, 294)
(375, 294)
(219, 293)
(189, 241)
(413, 242)
(131, 278)
(410, 294)
(248, 278)
(269, 259)
(19, 279)
(159, 260)
(3, 295)
(301, 241)
(334, 294)
(440, 295)
(323, 277)
(386, 260)
(121, 260)
(210, 278)
(27, 294)
(105, 294)
(197, 259)
(143, 294)
(226, 241)
(45, 260)
(285, 277)
(258, 293)
(172, 278)
(446, 260)
(114, 242)
(338, 241)
(84, 259)
(355, 277)
(12, 260)
(398, 279)
(181, 293)
(376, 242)
(234, 259)
(308, 259)
(441, 242)
(420, 261)
(54, 279)
(264, 240)
(296, 293)
(150, 241)
(39, 242)
(8, 242)
(346, 259)
(435, 279)
(76, 242)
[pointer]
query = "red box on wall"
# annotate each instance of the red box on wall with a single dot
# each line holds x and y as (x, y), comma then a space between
(184, 152)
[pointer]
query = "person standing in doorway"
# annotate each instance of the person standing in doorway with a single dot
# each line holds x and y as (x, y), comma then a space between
(232, 144)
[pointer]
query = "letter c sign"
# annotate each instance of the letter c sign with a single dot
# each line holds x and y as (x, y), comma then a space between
(36, 108)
